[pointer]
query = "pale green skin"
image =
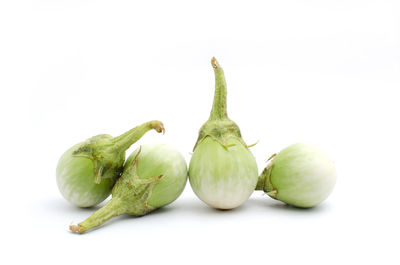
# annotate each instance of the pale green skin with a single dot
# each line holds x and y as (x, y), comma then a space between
(153, 176)
(302, 175)
(75, 180)
(87, 171)
(222, 171)
(223, 178)
(161, 159)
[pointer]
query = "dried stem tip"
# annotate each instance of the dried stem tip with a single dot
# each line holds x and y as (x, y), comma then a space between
(215, 63)
(76, 229)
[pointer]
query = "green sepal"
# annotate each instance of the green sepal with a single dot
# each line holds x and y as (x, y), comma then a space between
(272, 194)
(134, 192)
(264, 180)
(130, 195)
(108, 153)
(249, 146)
(219, 126)
(108, 161)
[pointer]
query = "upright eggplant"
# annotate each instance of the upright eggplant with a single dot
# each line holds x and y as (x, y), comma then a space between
(222, 171)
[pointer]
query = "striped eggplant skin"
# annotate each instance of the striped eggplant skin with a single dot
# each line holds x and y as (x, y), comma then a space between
(157, 159)
(300, 175)
(87, 171)
(223, 178)
(75, 180)
(222, 171)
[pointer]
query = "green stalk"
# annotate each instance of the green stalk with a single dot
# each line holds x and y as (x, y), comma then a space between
(111, 209)
(130, 195)
(219, 126)
(108, 153)
(218, 111)
(124, 141)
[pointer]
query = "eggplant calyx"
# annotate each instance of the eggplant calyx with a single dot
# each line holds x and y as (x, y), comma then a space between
(130, 195)
(134, 191)
(264, 181)
(221, 131)
(108, 153)
(107, 160)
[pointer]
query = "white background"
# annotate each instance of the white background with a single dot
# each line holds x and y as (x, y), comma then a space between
(325, 72)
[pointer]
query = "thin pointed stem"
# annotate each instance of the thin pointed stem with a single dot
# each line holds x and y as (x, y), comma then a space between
(108, 211)
(218, 111)
(125, 140)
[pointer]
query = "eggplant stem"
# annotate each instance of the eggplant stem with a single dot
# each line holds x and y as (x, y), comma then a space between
(76, 229)
(218, 111)
(125, 140)
(108, 211)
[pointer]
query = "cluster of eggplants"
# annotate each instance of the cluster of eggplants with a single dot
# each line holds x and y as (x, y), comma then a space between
(222, 172)
(153, 176)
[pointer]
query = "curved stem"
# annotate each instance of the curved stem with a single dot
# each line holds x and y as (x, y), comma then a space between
(218, 111)
(108, 211)
(124, 141)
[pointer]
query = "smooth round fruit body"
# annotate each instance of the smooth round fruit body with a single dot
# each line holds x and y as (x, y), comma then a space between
(161, 159)
(223, 178)
(75, 180)
(302, 175)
